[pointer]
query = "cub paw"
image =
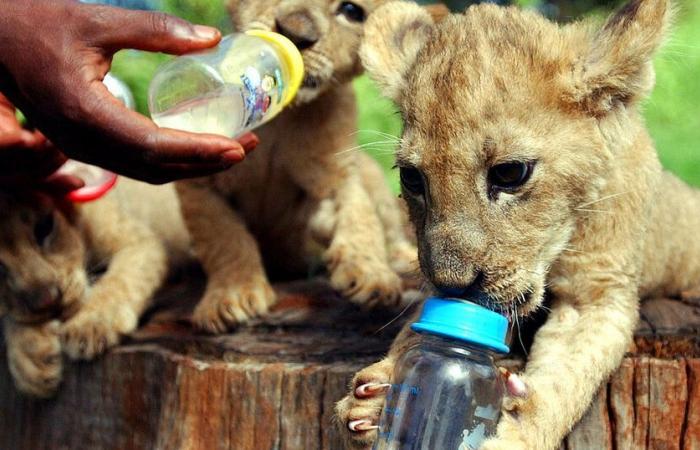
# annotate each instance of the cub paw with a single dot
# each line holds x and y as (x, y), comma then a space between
(511, 434)
(403, 259)
(224, 307)
(498, 443)
(34, 358)
(93, 331)
(358, 413)
(364, 280)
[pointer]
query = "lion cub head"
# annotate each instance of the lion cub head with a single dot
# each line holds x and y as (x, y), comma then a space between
(42, 268)
(328, 33)
(512, 126)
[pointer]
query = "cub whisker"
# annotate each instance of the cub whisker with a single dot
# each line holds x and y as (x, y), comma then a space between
(601, 211)
(607, 197)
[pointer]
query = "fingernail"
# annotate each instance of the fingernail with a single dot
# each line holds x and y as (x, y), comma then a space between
(205, 32)
(361, 425)
(232, 156)
(249, 141)
(28, 138)
(371, 389)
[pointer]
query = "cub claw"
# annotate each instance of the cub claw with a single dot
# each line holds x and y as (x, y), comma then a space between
(361, 425)
(371, 389)
(358, 413)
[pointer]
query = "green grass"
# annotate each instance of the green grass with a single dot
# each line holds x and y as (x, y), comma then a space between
(672, 113)
(377, 114)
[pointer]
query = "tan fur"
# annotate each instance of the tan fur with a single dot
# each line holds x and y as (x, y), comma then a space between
(128, 233)
(303, 197)
(599, 223)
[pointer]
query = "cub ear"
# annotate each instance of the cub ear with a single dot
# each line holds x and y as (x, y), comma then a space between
(232, 7)
(617, 67)
(394, 34)
(438, 11)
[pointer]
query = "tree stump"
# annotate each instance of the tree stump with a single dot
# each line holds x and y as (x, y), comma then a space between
(273, 384)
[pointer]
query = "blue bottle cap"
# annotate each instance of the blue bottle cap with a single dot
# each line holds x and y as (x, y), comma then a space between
(464, 321)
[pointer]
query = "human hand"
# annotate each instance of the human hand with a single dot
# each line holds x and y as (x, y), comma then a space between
(11, 131)
(27, 159)
(54, 75)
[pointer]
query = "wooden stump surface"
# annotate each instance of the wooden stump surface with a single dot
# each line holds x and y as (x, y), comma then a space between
(273, 384)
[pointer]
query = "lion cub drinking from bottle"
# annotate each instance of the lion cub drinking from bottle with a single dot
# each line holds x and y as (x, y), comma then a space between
(525, 164)
(303, 197)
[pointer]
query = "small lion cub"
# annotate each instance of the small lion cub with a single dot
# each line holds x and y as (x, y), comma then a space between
(526, 165)
(303, 197)
(48, 250)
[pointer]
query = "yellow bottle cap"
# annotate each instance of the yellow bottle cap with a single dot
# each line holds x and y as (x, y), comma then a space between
(292, 57)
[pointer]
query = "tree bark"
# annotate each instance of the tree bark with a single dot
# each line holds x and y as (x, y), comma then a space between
(272, 384)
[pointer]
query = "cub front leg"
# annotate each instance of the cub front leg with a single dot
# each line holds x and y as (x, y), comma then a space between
(237, 287)
(34, 356)
(356, 256)
(346, 223)
(401, 253)
(574, 352)
(138, 265)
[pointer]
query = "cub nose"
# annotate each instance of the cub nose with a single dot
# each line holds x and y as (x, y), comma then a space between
(473, 289)
(299, 27)
(43, 300)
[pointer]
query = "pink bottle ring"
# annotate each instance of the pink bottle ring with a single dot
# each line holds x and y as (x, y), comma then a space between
(97, 181)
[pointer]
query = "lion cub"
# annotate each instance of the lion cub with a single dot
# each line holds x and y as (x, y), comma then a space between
(301, 198)
(48, 250)
(525, 164)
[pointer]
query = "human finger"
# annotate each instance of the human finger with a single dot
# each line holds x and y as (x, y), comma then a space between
(115, 29)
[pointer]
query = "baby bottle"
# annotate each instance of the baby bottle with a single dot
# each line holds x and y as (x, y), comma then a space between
(242, 83)
(98, 181)
(447, 392)
(120, 90)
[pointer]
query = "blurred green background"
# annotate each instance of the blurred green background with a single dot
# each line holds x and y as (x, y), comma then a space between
(672, 112)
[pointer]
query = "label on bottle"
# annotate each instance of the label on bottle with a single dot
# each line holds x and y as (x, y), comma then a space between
(473, 438)
(396, 389)
(262, 90)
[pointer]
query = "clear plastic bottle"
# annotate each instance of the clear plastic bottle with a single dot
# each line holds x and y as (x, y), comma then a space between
(242, 83)
(97, 181)
(447, 392)
(120, 90)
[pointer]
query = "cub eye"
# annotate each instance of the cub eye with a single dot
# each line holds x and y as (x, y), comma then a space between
(43, 229)
(352, 12)
(412, 180)
(509, 176)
